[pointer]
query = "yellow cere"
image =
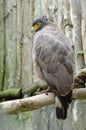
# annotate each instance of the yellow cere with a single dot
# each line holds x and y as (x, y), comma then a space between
(36, 26)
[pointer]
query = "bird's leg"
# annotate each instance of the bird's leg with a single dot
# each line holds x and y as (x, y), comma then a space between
(47, 90)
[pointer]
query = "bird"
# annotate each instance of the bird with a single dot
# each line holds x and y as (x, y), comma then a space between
(53, 60)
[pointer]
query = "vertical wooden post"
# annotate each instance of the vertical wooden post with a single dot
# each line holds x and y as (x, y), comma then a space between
(83, 27)
(11, 44)
(60, 15)
(67, 20)
(76, 20)
(25, 18)
(2, 45)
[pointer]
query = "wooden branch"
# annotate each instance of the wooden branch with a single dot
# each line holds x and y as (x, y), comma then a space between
(80, 79)
(16, 93)
(35, 102)
(79, 93)
(27, 104)
(82, 73)
(34, 87)
(79, 82)
(11, 94)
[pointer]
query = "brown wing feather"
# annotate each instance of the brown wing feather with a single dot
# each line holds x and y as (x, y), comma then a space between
(54, 59)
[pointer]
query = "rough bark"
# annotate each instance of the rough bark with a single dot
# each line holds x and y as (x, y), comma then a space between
(60, 16)
(67, 21)
(31, 90)
(11, 44)
(75, 6)
(10, 94)
(35, 102)
(80, 79)
(27, 104)
(83, 26)
(2, 45)
(38, 86)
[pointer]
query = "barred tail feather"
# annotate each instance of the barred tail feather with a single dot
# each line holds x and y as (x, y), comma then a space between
(62, 104)
(61, 113)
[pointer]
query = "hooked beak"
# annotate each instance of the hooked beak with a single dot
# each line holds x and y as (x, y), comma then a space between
(33, 30)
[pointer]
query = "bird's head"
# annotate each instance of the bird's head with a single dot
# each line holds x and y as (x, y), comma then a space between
(39, 23)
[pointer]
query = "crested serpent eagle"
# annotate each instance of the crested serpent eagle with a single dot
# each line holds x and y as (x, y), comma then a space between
(53, 57)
